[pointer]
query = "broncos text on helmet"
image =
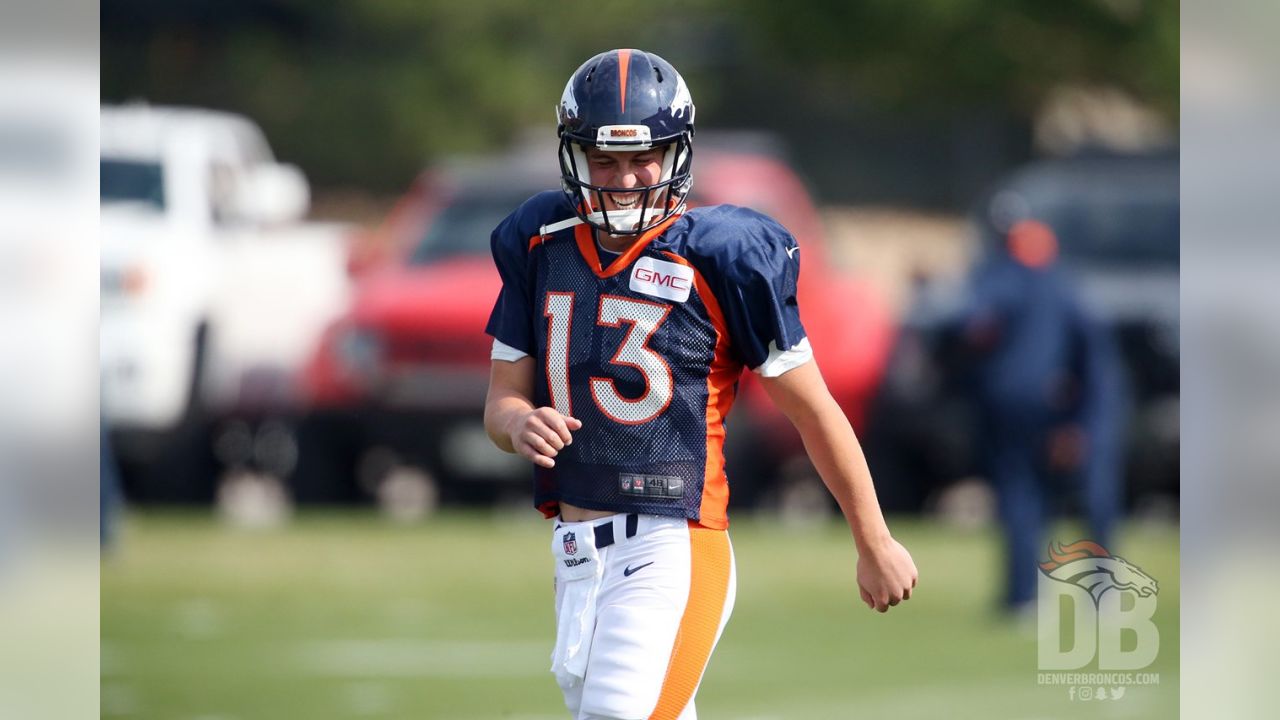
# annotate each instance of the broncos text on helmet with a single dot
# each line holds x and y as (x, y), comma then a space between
(626, 100)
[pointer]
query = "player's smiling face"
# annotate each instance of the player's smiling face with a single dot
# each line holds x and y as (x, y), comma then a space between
(625, 170)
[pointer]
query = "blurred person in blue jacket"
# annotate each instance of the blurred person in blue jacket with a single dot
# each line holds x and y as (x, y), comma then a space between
(1051, 391)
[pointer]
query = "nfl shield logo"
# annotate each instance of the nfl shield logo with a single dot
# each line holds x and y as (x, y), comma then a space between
(570, 544)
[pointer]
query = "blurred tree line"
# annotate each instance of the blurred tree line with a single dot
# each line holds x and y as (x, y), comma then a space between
(366, 93)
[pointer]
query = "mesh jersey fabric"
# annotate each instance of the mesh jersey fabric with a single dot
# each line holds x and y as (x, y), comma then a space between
(646, 349)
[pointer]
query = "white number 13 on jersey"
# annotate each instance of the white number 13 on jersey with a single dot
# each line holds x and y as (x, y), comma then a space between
(644, 319)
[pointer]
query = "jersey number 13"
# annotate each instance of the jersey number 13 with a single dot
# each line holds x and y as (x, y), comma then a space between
(643, 319)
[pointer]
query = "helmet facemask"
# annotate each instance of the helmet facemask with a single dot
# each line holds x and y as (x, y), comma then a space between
(657, 202)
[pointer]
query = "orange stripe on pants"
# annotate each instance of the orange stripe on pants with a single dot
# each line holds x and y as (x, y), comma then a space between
(711, 571)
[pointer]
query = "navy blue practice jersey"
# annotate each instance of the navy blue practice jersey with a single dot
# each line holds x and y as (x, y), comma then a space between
(645, 350)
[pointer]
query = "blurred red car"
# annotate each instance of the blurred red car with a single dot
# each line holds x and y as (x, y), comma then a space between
(407, 368)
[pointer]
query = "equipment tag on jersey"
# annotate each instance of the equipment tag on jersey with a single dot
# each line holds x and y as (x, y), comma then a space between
(667, 486)
(659, 278)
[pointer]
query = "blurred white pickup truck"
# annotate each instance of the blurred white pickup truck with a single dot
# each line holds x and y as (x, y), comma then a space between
(213, 289)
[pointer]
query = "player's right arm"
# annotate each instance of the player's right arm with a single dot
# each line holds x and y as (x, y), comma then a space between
(512, 421)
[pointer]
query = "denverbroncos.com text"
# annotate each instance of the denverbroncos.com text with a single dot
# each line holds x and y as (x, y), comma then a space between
(1097, 678)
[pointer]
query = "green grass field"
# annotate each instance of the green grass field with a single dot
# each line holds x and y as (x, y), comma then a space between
(348, 616)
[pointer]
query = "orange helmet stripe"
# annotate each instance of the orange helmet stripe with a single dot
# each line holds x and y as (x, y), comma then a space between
(624, 59)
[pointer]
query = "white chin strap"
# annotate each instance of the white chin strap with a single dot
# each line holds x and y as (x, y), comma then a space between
(620, 219)
(626, 219)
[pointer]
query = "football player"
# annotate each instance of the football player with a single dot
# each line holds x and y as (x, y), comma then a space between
(620, 332)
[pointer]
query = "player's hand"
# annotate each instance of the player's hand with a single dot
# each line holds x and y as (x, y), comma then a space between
(886, 575)
(541, 434)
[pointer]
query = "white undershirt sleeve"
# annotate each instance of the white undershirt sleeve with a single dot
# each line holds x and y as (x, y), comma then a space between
(502, 351)
(780, 361)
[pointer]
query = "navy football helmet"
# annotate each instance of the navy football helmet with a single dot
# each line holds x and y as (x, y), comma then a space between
(626, 100)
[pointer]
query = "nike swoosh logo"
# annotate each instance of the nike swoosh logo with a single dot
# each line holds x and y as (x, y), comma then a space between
(791, 251)
(629, 571)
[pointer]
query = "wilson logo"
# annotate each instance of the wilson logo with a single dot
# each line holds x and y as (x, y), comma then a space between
(659, 278)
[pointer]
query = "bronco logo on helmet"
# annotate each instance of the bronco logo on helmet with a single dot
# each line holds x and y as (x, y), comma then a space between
(626, 100)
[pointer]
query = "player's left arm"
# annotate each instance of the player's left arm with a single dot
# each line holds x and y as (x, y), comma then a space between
(886, 572)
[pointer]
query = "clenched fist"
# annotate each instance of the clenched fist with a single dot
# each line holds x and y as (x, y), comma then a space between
(886, 575)
(541, 434)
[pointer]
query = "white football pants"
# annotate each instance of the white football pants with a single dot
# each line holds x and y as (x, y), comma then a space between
(641, 601)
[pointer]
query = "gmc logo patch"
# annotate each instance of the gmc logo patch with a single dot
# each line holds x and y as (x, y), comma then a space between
(657, 278)
(662, 279)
